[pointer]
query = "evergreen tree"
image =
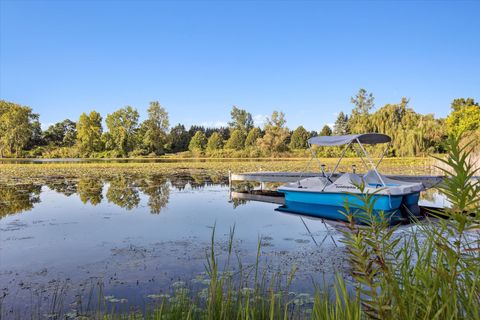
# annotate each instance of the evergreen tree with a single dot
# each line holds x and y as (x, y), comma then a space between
(89, 133)
(359, 121)
(236, 141)
(341, 125)
(198, 142)
(252, 137)
(326, 131)
(215, 142)
(299, 139)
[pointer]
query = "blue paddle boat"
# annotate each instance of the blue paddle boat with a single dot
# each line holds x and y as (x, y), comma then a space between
(326, 196)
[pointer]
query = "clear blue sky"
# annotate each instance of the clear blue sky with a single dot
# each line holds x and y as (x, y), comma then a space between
(199, 58)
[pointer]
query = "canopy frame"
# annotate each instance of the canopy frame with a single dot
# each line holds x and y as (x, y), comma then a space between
(349, 141)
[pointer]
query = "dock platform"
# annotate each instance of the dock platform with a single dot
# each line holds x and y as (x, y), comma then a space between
(284, 177)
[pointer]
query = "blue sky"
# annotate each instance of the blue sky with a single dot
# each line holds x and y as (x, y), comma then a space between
(199, 58)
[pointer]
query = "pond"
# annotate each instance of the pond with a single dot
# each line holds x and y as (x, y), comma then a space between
(135, 237)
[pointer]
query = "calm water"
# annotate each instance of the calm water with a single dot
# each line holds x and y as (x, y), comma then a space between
(138, 236)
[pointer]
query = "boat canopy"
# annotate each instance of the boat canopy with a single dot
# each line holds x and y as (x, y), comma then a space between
(366, 138)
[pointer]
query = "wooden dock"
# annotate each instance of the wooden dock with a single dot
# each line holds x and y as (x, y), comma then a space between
(284, 177)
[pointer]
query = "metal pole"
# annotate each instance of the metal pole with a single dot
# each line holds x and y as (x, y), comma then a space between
(371, 162)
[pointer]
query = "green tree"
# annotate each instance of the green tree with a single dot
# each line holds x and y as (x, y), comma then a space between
(156, 126)
(236, 141)
(178, 138)
(326, 131)
(465, 116)
(359, 121)
(252, 137)
(215, 142)
(198, 142)
(122, 125)
(17, 126)
(89, 133)
(276, 134)
(241, 120)
(458, 104)
(62, 134)
(341, 125)
(299, 139)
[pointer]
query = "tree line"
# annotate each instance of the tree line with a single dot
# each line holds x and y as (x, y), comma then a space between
(124, 136)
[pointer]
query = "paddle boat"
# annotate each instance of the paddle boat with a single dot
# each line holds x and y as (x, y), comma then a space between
(326, 196)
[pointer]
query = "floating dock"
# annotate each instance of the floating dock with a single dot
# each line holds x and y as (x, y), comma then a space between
(284, 177)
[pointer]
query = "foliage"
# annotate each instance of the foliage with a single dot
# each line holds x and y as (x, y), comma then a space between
(433, 272)
(341, 125)
(253, 135)
(241, 120)
(359, 120)
(61, 134)
(178, 138)
(412, 133)
(198, 142)
(17, 126)
(215, 142)
(299, 139)
(156, 127)
(465, 116)
(276, 134)
(236, 141)
(122, 125)
(89, 133)
(326, 131)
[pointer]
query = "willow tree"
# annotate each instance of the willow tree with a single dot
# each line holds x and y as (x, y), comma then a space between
(89, 133)
(17, 124)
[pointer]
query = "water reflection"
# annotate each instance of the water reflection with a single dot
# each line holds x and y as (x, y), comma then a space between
(90, 191)
(158, 192)
(124, 191)
(18, 198)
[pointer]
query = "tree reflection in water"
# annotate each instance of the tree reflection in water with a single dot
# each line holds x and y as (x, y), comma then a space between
(123, 192)
(158, 192)
(18, 198)
(90, 190)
